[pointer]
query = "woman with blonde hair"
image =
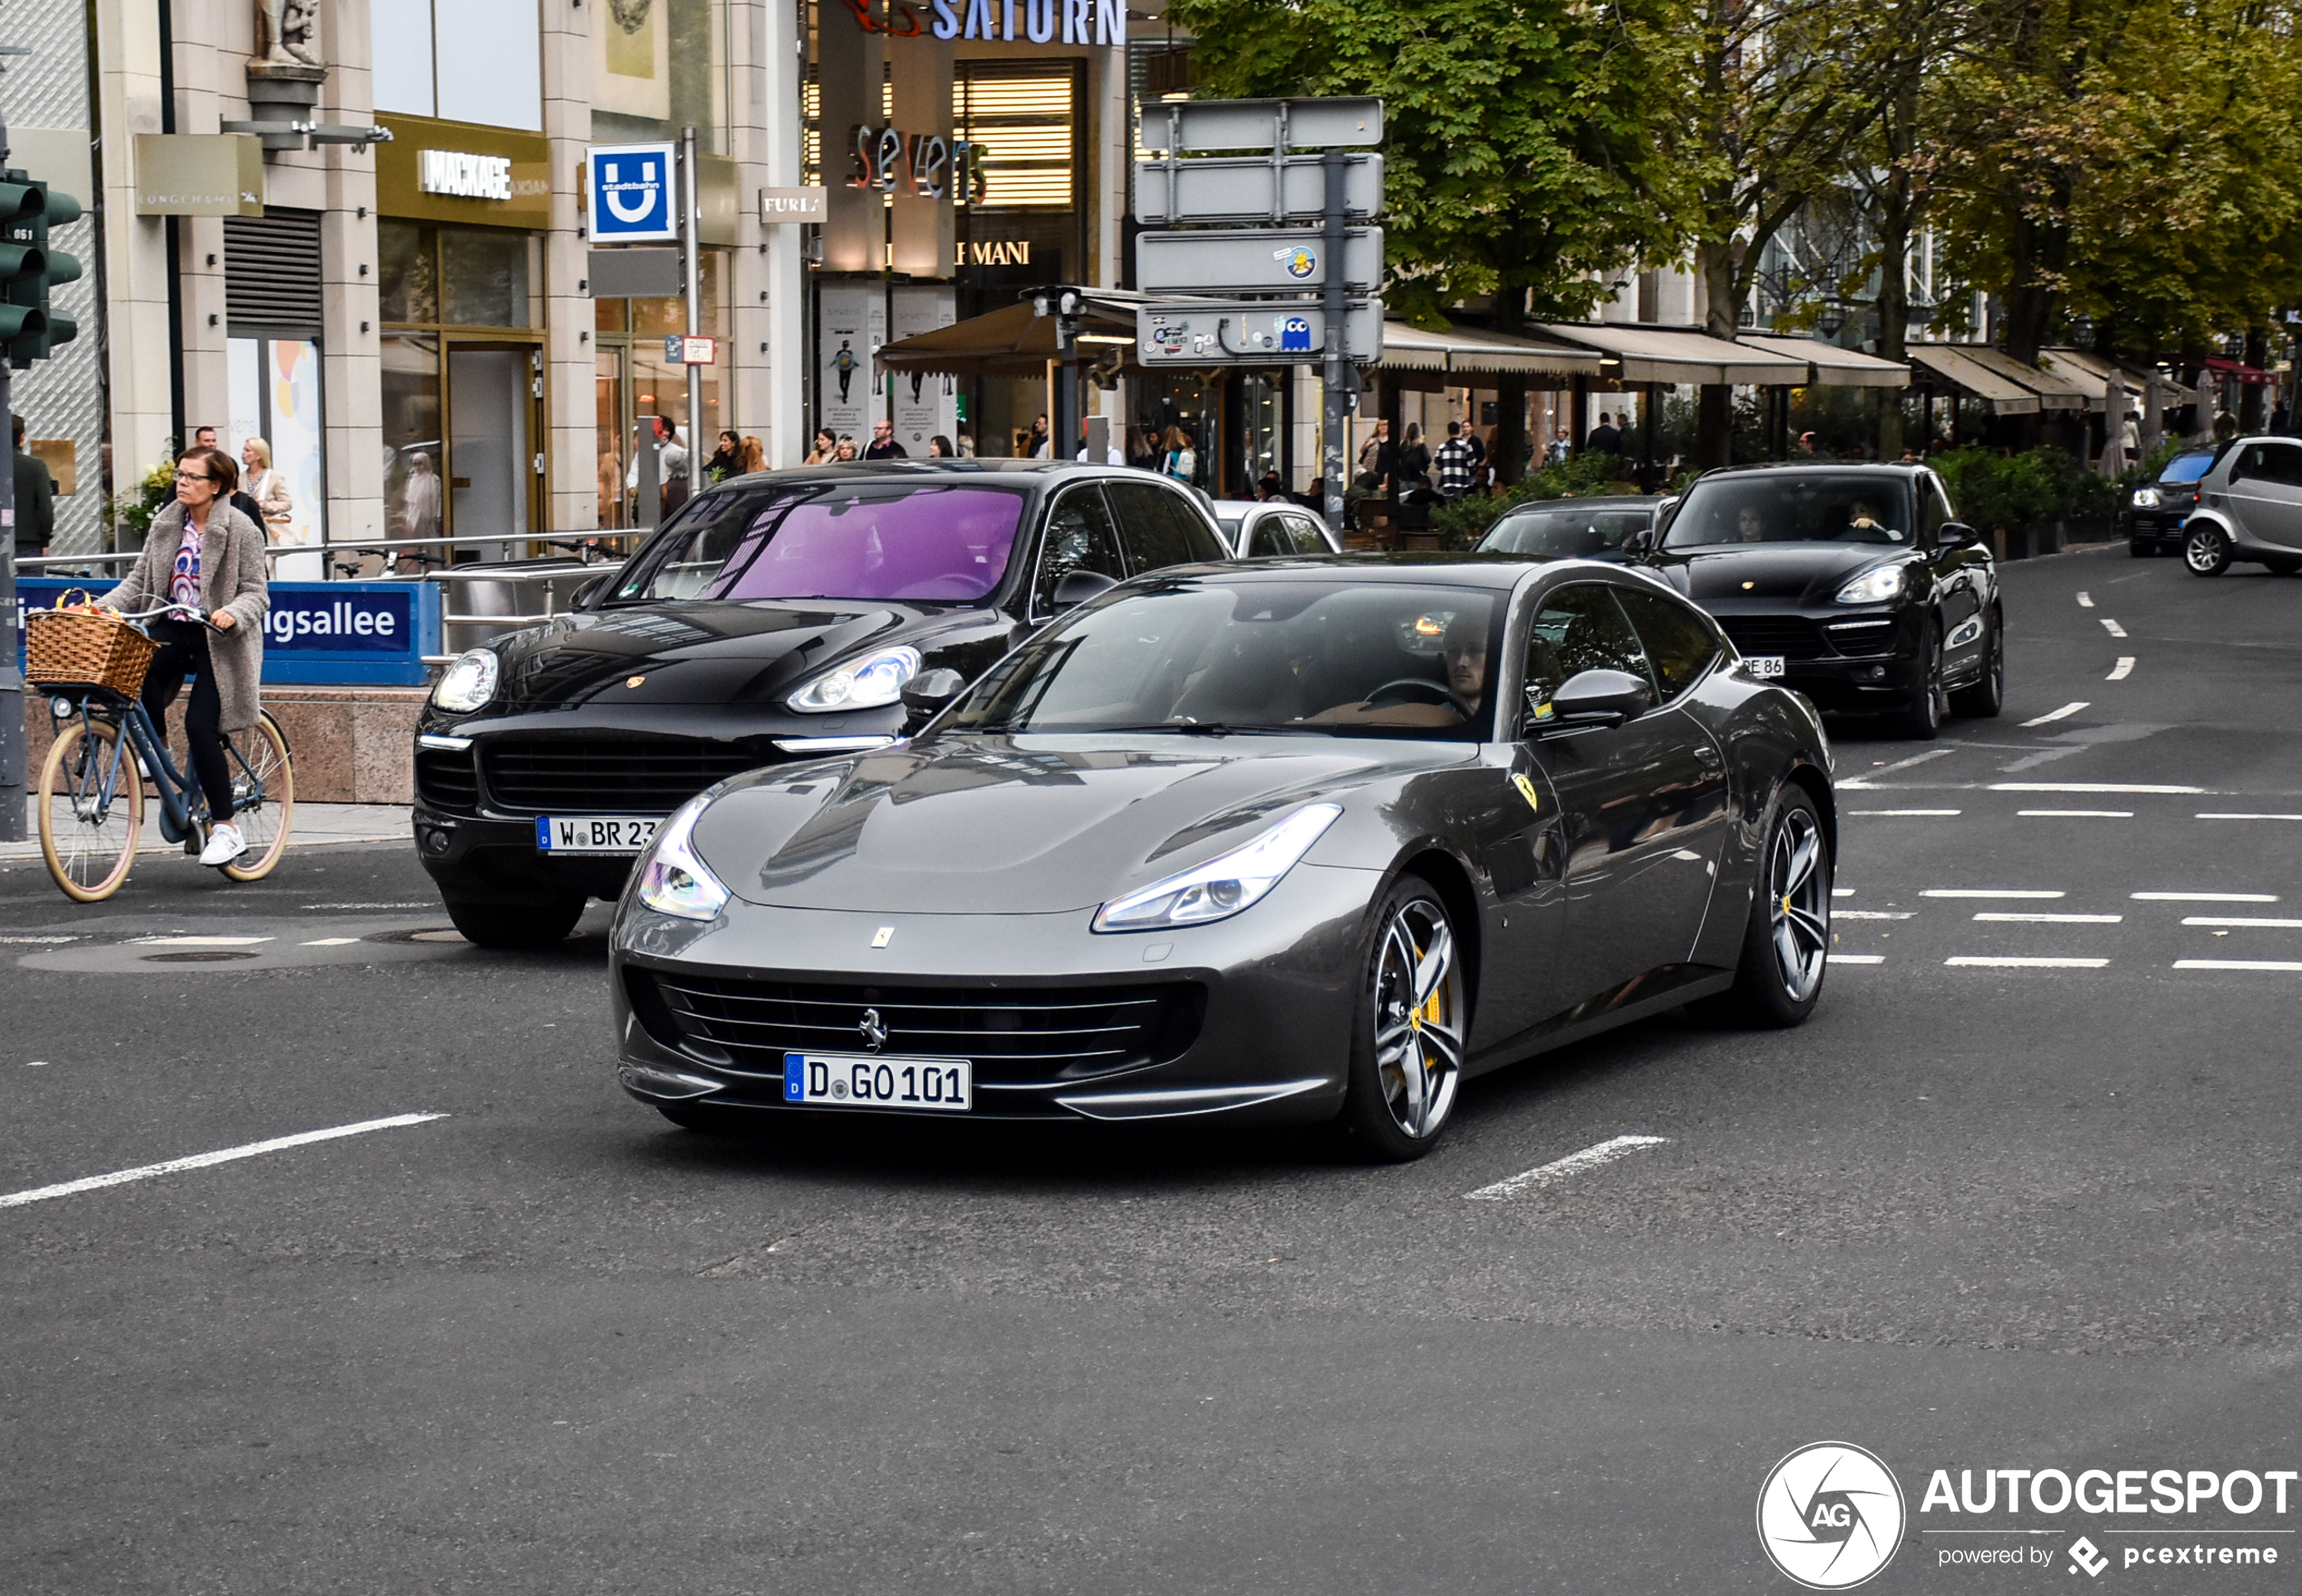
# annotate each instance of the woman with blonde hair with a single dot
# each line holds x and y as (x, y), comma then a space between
(268, 488)
(752, 456)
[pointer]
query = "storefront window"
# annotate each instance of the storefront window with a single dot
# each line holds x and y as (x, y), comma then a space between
(483, 277)
(412, 492)
(407, 271)
(634, 381)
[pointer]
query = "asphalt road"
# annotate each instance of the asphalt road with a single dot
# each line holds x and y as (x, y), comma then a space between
(1973, 1216)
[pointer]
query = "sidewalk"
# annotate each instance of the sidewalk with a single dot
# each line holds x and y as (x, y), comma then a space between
(314, 823)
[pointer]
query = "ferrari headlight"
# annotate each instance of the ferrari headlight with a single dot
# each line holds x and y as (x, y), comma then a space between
(866, 683)
(2147, 498)
(1874, 586)
(674, 880)
(1223, 886)
(467, 684)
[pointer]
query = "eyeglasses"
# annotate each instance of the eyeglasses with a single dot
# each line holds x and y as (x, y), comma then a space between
(193, 476)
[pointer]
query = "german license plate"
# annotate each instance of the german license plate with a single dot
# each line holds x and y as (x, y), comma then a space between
(1763, 665)
(850, 1080)
(595, 833)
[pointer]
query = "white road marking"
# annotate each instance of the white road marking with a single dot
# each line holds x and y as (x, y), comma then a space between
(2221, 817)
(2075, 814)
(36, 941)
(1606, 1152)
(2241, 920)
(1986, 892)
(372, 905)
(2112, 627)
(203, 1160)
(1858, 957)
(2055, 919)
(2090, 786)
(2063, 714)
(2121, 670)
(2284, 964)
(1861, 783)
(1872, 914)
(1842, 891)
(2085, 600)
(1904, 812)
(2205, 897)
(329, 942)
(1988, 962)
(196, 941)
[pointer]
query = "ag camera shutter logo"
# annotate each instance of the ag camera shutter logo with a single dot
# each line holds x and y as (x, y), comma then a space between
(1831, 1515)
(632, 196)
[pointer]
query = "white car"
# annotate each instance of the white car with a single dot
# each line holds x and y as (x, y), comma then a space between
(1258, 530)
(2249, 507)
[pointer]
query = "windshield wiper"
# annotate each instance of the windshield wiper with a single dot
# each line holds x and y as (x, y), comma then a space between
(1195, 728)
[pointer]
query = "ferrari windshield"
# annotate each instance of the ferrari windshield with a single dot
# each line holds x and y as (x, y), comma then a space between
(1340, 656)
(1566, 530)
(1793, 507)
(923, 541)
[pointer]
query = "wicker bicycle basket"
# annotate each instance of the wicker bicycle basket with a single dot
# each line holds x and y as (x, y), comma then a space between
(69, 647)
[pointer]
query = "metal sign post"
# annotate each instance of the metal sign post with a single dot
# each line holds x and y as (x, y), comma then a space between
(691, 263)
(1336, 417)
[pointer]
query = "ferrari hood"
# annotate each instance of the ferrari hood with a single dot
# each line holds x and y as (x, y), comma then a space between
(1018, 825)
(1804, 572)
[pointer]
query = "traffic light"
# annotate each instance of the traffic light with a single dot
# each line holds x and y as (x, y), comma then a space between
(30, 329)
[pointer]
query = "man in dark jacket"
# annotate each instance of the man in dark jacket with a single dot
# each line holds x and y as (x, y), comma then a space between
(1603, 436)
(35, 501)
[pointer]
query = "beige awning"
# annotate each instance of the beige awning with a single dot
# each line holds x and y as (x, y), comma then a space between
(1677, 355)
(2054, 391)
(1474, 352)
(1952, 365)
(1011, 342)
(1829, 366)
(2093, 371)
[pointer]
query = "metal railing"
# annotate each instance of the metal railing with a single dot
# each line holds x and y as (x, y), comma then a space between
(584, 544)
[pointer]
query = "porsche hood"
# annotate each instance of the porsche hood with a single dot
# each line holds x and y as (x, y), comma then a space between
(1796, 573)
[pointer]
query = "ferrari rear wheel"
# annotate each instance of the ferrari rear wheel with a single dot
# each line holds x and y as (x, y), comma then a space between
(1786, 942)
(1406, 1048)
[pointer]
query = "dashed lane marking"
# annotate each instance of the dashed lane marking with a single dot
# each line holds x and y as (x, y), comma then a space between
(2134, 786)
(1873, 913)
(1994, 962)
(35, 940)
(2250, 816)
(2287, 965)
(1590, 1157)
(329, 942)
(1986, 892)
(203, 1160)
(2085, 600)
(196, 941)
(2043, 919)
(1858, 783)
(2205, 897)
(2075, 814)
(1858, 957)
(2257, 922)
(1842, 891)
(2121, 670)
(2112, 627)
(1907, 814)
(433, 905)
(2063, 714)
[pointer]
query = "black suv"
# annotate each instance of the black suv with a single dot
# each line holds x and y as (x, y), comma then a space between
(1856, 585)
(777, 617)
(2154, 514)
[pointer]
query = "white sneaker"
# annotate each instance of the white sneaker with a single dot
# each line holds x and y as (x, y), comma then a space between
(225, 844)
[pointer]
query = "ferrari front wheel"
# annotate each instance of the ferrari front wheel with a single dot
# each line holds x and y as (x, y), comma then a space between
(1413, 1019)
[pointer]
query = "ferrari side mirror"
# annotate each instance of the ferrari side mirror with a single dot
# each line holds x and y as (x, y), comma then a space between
(1597, 698)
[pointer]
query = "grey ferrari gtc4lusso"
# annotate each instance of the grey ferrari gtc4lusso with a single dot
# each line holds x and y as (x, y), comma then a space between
(1315, 839)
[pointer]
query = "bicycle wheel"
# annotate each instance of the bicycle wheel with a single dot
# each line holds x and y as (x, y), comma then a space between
(88, 840)
(263, 799)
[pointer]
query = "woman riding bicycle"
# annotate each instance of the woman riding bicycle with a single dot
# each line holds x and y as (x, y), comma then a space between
(203, 553)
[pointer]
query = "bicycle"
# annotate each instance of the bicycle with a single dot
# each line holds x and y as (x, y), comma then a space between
(92, 792)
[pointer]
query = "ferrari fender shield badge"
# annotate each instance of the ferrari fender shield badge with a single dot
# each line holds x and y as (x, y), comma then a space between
(1526, 791)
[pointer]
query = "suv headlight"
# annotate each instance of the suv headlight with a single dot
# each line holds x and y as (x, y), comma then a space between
(1223, 886)
(468, 684)
(2147, 498)
(1875, 586)
(863, 683)
(674, 881)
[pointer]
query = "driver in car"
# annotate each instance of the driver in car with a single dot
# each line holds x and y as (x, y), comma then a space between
(1750, 525)
(1463, 649)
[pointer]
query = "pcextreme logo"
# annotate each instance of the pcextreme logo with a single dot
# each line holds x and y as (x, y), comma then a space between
(1831, 1515)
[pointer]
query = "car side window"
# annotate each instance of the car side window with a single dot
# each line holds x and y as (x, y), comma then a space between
(1309, 536)
(1934, 510)
(1680, 645)
(1269, 538)
(1160, 527)
(1578, 628)
(2280, 464)
(1079, 538)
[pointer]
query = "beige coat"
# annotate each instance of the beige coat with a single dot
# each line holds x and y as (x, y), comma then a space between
(231, 578)
(278, 504)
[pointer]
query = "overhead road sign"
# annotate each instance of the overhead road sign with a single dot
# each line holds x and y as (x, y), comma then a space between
(1263, 260)
(1239, 189)
(630, 193)
(633, 274)
(1338, 123)
(1207, 332)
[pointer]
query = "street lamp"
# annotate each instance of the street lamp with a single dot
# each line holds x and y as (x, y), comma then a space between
(1832, 319)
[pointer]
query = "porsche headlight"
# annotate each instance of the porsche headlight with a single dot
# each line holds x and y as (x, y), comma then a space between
(863, 683)
(674, 881)
(1223, 886)
(1874, 586)
(2147, 498)
(468, 684)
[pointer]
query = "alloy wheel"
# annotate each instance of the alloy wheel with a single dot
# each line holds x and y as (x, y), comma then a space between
(1418, 1017)
(2206, 551)
(1799, 913)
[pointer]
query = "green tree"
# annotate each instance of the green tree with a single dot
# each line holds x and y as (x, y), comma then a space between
(1530, 145)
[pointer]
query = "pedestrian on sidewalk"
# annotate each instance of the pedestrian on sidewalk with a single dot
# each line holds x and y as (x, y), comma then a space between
(1455, 463)
(35, 501)
(204, 553)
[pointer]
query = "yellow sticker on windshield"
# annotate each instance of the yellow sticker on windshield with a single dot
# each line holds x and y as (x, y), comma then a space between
(1526, 791)
(1543, 712)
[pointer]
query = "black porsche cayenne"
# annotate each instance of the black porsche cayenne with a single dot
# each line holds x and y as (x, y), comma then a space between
(777, 617)
(1855, 584)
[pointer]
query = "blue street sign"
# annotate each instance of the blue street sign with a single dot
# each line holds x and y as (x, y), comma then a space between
(316, 634)
(632, 196)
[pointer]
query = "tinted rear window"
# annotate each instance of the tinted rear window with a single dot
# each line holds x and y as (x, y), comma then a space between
(2187, 467)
